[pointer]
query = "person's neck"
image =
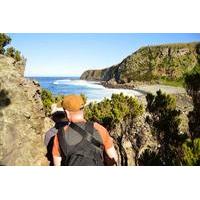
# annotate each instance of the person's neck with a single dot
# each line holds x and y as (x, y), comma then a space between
(76, 120)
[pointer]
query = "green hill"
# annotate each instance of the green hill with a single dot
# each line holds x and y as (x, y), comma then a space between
(164, 62)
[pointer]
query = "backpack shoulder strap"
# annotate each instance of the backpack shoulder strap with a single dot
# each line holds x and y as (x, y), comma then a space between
(87, 133)
(61, 140)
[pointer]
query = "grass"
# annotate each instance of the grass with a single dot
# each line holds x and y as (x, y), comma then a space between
(175, 83)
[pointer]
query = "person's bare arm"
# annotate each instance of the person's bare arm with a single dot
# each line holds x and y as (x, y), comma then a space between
(57, 160)
(112, 154)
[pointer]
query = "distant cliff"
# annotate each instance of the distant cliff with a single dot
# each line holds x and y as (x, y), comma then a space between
(22, 118)
(168, 61)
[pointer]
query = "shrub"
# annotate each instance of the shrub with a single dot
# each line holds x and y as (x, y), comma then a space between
(160, 102)
(17, 56)
(4, 40)
(166, 121)
(150, 158)
(191, 152)
(192, 84)
(84, 98)
(48, 99)
(192, 80)
(111, 111)
(12, 52)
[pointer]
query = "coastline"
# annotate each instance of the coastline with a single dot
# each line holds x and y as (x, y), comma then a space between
(183, 101)
(145, 88)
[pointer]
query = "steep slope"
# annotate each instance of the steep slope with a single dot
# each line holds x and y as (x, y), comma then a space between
(21, 117)
(169, 61)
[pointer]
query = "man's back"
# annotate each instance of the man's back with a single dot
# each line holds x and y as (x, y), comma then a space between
(73, 138)
(73, 106)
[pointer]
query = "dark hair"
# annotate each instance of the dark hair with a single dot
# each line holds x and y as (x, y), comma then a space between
(58, 116)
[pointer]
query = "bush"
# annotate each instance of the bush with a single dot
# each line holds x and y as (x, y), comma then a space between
(12, 52)
(17, 56)
(166, 121)
(4, 40)
(150, 158)
(160, 102)
(48, 99)
(191, 152)
(111, 111)
(192, 80)
(84, 98)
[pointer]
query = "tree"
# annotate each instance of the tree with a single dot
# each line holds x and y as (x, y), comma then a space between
(109, 112)
(191, 152)
(12, 52)
(165, 124)
(4, 40)
(191, 148)
(192, 84)
(17, 56)
(48, 99)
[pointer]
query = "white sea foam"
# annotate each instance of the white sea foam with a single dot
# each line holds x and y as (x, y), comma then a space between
(61, 82)
(89, 84)
(98, 92)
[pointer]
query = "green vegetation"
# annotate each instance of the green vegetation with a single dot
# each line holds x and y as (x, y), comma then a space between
(191, 149)
(175, 83)
(192, 83)
(48, 99)
(174, 148)
(160, 103)
(165, 125)
(12, 52)
(84, 98)
(4, 41)
(192, 80)
(166, 64)
(191, 152)
(109, 112)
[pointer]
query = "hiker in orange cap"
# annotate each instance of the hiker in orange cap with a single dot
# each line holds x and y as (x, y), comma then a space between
(81, 143)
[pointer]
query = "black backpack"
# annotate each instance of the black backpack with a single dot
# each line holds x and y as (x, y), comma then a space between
(88, 151)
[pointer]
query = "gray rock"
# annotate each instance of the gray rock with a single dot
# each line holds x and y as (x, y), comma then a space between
(22, 119)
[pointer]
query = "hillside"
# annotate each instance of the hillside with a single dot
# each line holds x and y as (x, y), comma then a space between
(163, 62)
(22, 117)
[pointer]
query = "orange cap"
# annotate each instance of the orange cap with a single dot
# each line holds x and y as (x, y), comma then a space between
(72, 102)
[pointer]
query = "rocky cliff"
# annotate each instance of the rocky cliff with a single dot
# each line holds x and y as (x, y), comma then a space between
(132, 137)
(22, 118)
(151, 63)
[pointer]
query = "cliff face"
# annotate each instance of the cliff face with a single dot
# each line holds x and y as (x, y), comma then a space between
(132, 137)
(151, 63)
(21, 117)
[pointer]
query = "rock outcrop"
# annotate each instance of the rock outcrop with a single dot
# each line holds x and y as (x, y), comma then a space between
(22, 118)
(151, 63)
(132, 137)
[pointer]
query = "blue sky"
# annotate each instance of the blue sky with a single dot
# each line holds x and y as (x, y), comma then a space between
(71, 54)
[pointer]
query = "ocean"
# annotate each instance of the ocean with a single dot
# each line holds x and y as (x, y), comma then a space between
(73, 85)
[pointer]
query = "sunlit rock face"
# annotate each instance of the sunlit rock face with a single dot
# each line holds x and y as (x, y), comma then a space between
(21, 117)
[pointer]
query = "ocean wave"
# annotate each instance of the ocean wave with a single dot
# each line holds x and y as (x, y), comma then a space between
(61, 82)
(89, 84)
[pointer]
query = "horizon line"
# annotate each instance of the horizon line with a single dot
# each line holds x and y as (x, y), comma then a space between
(48, 76)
